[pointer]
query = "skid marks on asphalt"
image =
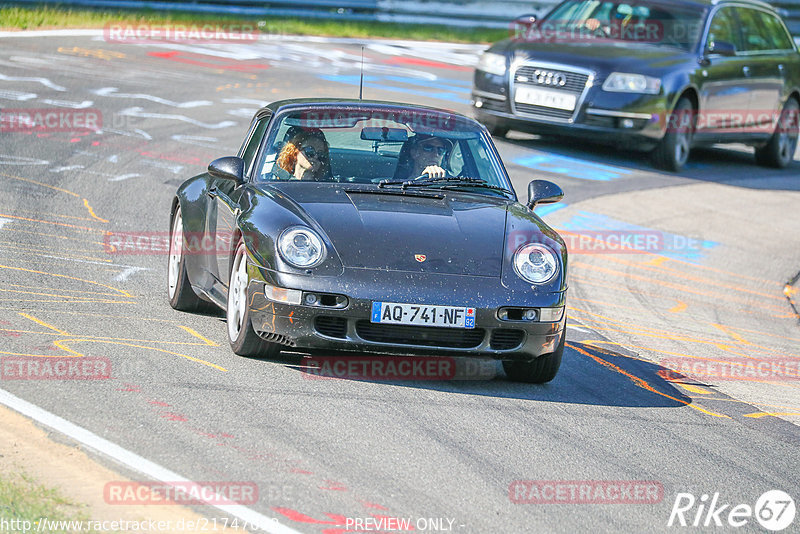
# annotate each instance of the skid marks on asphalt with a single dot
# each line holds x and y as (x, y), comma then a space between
(70, 344)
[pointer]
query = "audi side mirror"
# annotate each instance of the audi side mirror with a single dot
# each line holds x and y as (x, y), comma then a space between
(722, 48)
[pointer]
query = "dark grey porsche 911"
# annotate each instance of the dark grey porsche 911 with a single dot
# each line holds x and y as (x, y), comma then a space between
(373, 227)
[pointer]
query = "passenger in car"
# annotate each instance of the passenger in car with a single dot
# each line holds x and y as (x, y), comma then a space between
(422, 155)
(306, 156)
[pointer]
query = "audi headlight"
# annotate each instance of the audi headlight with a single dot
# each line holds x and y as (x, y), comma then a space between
(301, 247)
(623, 82)
(535, 263)
(492, 63)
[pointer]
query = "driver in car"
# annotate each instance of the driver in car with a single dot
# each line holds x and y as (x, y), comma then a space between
(423, 156)
(305, 157)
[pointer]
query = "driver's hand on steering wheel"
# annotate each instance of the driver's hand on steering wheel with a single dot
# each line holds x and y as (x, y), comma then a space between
(434, 171)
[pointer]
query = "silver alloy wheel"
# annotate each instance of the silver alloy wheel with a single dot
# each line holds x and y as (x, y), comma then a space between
(175, 253)
(787, 144)
(681, 147)
(237, 294)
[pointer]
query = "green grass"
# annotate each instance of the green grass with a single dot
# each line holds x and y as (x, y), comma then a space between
(23, 499)
(55, 17)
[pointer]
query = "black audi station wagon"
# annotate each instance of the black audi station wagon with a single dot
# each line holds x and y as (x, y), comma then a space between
(660, 75)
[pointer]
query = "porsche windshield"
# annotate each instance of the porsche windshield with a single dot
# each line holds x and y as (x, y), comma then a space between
(644, 22)
(370, 145)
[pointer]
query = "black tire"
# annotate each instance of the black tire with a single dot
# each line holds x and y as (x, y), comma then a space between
(542, 369)
(243, 339)
(179, 291)
(779, 152)
(672, 152)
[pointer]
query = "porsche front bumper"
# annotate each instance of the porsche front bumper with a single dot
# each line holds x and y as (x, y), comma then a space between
(348, 327)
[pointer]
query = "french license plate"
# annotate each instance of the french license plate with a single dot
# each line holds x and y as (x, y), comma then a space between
(423, 315)
(547, 98)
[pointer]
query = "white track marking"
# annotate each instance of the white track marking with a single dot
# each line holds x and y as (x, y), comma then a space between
(66, 168)
(67, 104)
(242, 112)
(124, 275)
(140, 113)
(124, 177)
(3, 222)
(7, 159)
(113, 158)
(111, 177)
(19, 96)
(174, 168)
(206, 142)
(135, 462)
(578, 328)
(112, 92)
(135, 133)
(43, 81)
(260, 103)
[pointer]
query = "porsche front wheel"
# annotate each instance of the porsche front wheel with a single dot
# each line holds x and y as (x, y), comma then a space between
(244, 340)
(542, 369)
(179, 290)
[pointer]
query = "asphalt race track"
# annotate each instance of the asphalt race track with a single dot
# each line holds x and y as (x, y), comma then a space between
(443, 454)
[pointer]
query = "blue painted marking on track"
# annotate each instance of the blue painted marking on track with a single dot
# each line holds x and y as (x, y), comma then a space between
(373, 82)
(573, 167)
(436, 84)
(547, 209)
(686, 248)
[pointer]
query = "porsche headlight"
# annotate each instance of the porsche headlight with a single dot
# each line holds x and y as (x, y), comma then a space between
(623, 82)
(535, 263)
(301, 247)
(492, 63)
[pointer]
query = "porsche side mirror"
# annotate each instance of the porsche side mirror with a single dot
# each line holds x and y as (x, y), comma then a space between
(723, 48)
(227, 168)
(543, 192)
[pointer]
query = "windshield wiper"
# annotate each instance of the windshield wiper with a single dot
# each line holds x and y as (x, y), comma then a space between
(444, 182)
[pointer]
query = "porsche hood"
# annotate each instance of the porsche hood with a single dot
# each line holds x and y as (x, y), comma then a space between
(420, 231)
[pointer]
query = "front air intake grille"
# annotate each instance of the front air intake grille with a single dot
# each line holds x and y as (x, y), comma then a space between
(429, 336)
(506, 338)
(272, 337)
(331, 326)
(560, 80)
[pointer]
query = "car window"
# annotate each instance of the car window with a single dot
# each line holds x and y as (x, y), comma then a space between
(649, 22)
(367, 145)
(251, 148)
(754, 35)
(776, 34)
(723, 28)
